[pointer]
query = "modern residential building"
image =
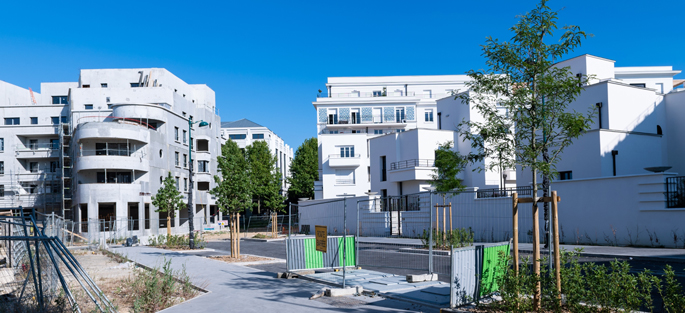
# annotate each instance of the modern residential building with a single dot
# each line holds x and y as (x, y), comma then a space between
(361, 124)
(99, 148)
(244, 132)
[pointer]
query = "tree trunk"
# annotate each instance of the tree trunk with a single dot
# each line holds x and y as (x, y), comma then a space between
(168, 224)
(233, 235)
(536, 235)
(545, 193)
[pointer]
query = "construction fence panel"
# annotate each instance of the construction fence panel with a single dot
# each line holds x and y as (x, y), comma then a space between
(302, 253)
(475, 271)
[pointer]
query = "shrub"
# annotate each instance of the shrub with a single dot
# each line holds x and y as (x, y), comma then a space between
(176, 241)
(457, 238)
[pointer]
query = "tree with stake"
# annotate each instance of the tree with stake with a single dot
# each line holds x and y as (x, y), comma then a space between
(449, 163)
(168, 200)
(234, 189)
(265, 177)
(304, 170)
(523, 81)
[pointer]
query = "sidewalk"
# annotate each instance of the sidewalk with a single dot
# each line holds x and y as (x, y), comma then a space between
(644, 254)
(236, 288)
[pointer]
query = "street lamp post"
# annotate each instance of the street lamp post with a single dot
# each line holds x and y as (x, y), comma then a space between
(191, 211)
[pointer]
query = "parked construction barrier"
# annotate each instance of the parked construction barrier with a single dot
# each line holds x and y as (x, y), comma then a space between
(302, 253)
(474, 272)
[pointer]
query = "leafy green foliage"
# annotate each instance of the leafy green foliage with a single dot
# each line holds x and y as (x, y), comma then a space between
(168, 199)
(304, 171)
(457, 238)
(264, 175)
(587, 287)
(233, 190)
(523, 97)
(176, 241)
(448, 165)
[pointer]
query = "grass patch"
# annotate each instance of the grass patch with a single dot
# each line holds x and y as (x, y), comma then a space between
(179, 242)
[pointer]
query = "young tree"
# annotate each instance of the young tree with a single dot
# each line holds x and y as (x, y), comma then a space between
(523, 81)
(304, 170)
(265, 178)
(234, 189)
(449, 164)
(168, 200)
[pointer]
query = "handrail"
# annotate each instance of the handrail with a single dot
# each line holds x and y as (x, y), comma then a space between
(112, 119)
(338, 156)
(412, 163)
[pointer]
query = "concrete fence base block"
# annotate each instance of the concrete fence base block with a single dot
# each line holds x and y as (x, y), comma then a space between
(287, 275)
(422, 278)
(340, 292)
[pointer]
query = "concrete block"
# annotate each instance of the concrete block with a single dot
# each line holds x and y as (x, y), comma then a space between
(421, 278)
(340, 292)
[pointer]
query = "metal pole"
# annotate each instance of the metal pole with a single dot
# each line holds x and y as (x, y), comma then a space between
(191, 211)
(430, 235)
(344, 238)
(287, 242)
(356, 239)
(452, 295)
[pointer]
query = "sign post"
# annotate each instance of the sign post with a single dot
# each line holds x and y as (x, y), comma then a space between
(321, 238)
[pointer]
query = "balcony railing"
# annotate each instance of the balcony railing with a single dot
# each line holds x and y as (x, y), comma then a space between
(111, 152)
(388, 94)
(344, 181)
(675, 192)
(375, 119)
(411, 163)
(339, 156)
(37, 146)
(504, 192)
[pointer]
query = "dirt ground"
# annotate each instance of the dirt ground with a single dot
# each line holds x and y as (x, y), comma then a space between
(107, 274)
(226, 235)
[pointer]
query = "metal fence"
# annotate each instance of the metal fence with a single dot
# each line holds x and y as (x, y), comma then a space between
(38, 273)
(675, 192)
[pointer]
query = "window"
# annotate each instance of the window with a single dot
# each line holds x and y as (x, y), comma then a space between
(383, 169)
(109, 106)
(89, 106)
(257, 136)
(377, 93)
(136, 85)
(185, 160)
(177, 185)
(344, 177)
(2, 191)
(185, 135)
(428, 114)
(566, 175)
(28, 187)
(332, 116)
(185, 184)
(107, 99)
(399, 115)
(103, 85)
(203, 166)
(399, 130)
(176, 158)
(59, 99)
(368, 173)
(33, 144)
(203, 145)
(332, 131)
(347, 152)
(64, 119)
(378, 131)
(11, 121)
(237, 136)
(2, 167)
(53, 166)
(113, 177)
(85, 86)
(2, 144)
(176, 133)
(33, 167)
(54, 144)
(203, 185)
(55, 120)
(34, 121)
(641, 85)
(355, 118)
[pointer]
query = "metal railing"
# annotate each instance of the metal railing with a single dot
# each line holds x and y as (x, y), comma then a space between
(388, 94)
(344, 181)
(504, 192)
(113, 119)
(111, 152)
(375, 119)
(675, 192)
(339, 156)
(411, 163)
(37, 146)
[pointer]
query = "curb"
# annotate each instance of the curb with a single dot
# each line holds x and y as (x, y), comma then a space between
(263, 240)
(622, 257)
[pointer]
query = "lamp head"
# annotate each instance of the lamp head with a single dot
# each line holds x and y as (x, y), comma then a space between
(203, 124)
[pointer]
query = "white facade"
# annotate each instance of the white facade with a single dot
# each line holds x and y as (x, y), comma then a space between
(637, 122)
(244, 132)
(116, 133)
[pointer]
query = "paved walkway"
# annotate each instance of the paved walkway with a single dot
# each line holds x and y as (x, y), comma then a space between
(236, 288)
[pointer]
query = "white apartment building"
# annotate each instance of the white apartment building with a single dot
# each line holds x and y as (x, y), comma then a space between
(99, 148)
(359, 115)
(244, 132)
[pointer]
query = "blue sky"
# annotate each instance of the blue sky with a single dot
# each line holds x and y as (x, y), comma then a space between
(266, 59)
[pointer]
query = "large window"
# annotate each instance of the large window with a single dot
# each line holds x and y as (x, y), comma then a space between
(177, 185)
(59, 99)
(2, 167)
(332, 116)
(383, 169)
(34, 121)
(203, 145)
(257, 136)
(109, 148)
(185, 160)
(203, 185)
(428, 114)
(237, 136)
(185, 184)
(2, 144)
(347, 152)
(203, 166)
(399, 115)
(176, 133)
(185, 136)
(11, 121)
(176, 158)
(2, 191)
